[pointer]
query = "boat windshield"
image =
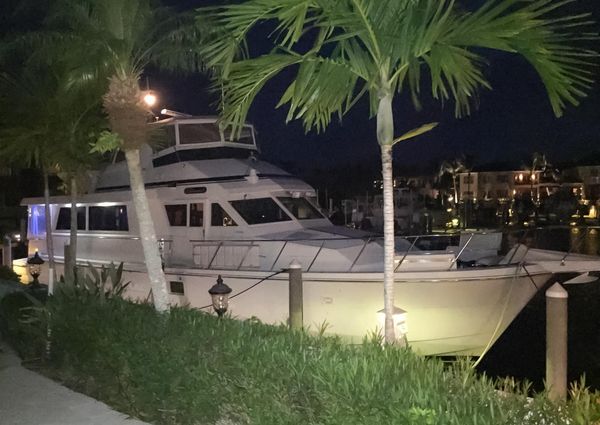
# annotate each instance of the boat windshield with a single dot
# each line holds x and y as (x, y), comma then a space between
(259, 211)
(193, 133)
(198, 133)
(301, 208)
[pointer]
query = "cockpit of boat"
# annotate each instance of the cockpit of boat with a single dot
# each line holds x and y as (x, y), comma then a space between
(200, 138)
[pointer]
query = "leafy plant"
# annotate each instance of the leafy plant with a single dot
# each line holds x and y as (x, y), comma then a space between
(6, 273)
(104, 284)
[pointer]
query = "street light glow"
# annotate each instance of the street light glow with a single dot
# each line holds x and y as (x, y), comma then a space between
(150, 99)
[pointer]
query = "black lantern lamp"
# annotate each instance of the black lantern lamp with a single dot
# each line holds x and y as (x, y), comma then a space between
(34, 265)
(220, 296)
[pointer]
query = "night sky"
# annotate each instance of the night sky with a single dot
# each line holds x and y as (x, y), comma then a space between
(513, 121)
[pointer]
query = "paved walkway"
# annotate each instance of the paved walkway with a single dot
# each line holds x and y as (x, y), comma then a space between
(27, 398)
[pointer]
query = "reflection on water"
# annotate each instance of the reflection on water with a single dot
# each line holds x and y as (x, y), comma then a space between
(581, 240)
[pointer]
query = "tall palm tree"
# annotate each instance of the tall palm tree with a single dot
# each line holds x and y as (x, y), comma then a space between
(342, 50)
(49, 116)
(120, 38)
(538, 162)
(453, 168)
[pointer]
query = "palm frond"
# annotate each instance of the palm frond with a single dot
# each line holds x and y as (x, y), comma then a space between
(547, 42)
(322, 88)
(245, 80)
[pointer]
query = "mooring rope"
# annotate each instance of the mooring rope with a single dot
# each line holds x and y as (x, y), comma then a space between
(250, 287)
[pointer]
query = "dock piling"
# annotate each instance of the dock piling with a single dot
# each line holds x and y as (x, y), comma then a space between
(296, 295)
(556, 342)
(7, 251)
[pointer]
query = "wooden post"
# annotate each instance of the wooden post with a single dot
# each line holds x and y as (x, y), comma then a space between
(7, 251)
(556, 342)
(296, 301)
(67, 270)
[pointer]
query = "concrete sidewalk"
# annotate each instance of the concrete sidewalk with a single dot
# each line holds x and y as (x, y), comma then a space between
(27, 398)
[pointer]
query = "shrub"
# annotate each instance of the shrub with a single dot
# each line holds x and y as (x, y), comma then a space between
(17, 327)
(6, 273)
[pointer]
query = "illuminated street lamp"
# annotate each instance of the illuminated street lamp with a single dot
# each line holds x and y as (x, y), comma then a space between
(220, 296)
(34, 265)
(150, 98)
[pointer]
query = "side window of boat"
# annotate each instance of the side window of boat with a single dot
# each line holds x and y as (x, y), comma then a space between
(301, 208)
(259, 211)
(219, 217)
(64, 218)
(177, 214)
(109, 218)
(196, 214)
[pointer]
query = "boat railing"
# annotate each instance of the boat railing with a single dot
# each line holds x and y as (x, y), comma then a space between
(332, 254)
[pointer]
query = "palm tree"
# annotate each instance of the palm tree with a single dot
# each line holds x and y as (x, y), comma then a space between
(47, 120)
(120, 38)
(342, 50)
(538, 162)
(453, 168)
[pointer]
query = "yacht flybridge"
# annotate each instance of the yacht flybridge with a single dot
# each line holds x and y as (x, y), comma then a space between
(219, 210)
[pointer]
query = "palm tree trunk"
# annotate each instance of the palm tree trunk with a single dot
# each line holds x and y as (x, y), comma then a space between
(71, 258)
(156, 275)
(48, 222)
(385, 136)
(388, 242)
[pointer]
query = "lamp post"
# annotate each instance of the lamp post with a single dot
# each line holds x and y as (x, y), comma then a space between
(150, 99)
(220, 296)
(34, 265)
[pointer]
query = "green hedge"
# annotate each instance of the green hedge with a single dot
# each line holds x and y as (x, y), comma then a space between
(188, 367)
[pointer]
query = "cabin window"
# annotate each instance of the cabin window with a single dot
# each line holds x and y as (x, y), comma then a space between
(219, 217)
(108, 218)
(300, 208)
(196, 214)
(258, 211)
(177, 214)
(176, 287)
(37, 222)
(64, 219)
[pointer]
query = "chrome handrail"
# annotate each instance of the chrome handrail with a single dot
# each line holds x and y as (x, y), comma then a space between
(455, 259)
(359, 254)
(214, 255)
(277, 254)
(406, 253)
(315, 257)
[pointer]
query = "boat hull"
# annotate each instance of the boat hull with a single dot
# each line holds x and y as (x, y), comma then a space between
(456, 312)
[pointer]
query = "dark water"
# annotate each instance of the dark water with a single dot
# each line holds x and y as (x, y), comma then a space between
(583, 240)
(520, 352)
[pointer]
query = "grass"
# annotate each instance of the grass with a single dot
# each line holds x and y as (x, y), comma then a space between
(188, 367)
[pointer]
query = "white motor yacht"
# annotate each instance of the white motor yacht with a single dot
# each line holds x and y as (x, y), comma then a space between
(218, 210)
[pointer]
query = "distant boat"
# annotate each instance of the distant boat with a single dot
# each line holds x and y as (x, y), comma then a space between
(219, 210)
